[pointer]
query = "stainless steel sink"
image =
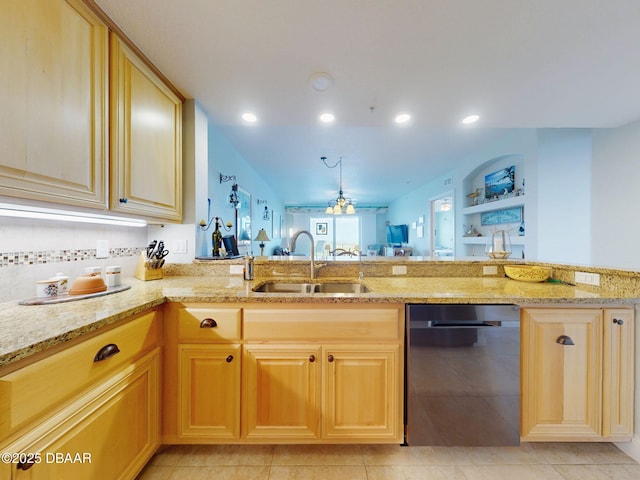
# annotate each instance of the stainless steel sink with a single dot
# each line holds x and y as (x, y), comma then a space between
(340, 288)
(333, 287)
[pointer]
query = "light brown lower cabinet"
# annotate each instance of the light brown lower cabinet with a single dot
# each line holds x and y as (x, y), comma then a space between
(298, 373)
(360, 384)
(329, 392)
(326, 374)
(111, 436)
(577, 374)
(282, 392)
(101, 418)
(209, 391)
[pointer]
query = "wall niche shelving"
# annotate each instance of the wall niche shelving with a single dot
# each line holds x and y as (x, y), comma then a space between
(475, 207)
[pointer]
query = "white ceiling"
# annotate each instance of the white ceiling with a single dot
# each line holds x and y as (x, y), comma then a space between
(519, 64)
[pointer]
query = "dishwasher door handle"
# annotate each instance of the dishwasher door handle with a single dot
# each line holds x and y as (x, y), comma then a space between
(462, 324)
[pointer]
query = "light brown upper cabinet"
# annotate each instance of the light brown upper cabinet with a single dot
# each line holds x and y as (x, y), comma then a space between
(146, 145)
(53, 92)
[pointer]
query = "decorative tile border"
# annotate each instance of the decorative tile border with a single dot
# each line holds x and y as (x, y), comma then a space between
(20, 259)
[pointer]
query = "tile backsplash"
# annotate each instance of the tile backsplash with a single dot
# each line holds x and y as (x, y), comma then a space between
(32, 250)
(16, 259)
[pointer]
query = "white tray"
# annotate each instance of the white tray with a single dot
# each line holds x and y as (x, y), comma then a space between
(65, 297)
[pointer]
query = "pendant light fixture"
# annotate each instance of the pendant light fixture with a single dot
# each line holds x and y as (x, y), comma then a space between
(340, 204)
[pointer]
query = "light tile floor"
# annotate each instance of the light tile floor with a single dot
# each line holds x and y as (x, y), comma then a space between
(530, 461)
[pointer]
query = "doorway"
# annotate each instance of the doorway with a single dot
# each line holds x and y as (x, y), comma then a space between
(443, 226)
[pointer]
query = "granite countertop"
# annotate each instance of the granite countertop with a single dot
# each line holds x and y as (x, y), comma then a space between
(26, 330)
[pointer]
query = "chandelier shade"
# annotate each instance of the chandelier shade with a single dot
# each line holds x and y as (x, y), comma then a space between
(341, 203)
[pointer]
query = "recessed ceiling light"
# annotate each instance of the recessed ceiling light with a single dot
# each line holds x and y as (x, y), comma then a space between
(402, 118)
(470, 119)
(249, 117)
(327, 117)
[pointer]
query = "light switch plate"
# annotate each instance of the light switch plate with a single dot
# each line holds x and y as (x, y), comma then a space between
(102, 249)
(181, 246)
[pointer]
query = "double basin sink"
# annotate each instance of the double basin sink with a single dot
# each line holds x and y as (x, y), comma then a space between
(309, 288)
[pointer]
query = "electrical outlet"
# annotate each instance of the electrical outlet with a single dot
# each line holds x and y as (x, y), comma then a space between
(489, 270)
(102, 249)
(587, 278)
(399, 270)
(236, 269)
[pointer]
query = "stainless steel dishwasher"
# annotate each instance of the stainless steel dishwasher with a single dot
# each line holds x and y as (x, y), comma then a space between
(463, 375)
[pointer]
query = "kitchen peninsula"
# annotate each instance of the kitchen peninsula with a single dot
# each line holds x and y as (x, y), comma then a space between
(164, 330)
(425, 281)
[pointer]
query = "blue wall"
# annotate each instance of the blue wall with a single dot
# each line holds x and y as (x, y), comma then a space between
(226, 160)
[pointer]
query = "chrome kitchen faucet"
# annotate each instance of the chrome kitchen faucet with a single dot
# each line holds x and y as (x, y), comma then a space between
(313, 248)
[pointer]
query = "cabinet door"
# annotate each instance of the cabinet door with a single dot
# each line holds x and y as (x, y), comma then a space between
(281, 398)
(111, 437)
(561, 379)
(146, 145)
(618, 375)
(53, 92)
(209, 391)
(363, 393)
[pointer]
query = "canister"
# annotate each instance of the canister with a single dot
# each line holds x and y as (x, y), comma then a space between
(63, 286)
(112, 276)
(47, 288)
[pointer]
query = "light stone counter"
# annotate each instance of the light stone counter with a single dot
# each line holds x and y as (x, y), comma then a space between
(26, 330)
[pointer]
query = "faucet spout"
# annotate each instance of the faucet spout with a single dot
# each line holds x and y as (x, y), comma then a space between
(313, 248)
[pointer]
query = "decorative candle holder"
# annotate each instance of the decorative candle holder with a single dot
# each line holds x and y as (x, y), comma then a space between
(499, 244)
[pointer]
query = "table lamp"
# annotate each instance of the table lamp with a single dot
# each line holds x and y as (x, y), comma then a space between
(262, 237)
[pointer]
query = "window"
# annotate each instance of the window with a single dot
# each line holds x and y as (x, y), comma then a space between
(335, 232)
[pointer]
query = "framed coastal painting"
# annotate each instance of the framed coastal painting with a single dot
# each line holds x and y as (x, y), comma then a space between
(500, 182)
(321, 228)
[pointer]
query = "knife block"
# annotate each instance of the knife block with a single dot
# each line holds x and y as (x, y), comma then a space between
(144, 272)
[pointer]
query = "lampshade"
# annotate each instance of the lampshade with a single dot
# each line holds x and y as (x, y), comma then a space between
(335, 207)
(262, 236)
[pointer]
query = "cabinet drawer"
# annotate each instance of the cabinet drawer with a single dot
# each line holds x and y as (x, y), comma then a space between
(321, 324)
(198, 325)
(37, 388)
(114, 428)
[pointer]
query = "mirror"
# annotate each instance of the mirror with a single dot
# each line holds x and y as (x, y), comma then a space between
(243, 222)
(442, 226)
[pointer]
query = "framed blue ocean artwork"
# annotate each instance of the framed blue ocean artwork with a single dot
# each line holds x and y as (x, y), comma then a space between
(496, 217)
(500, 182)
